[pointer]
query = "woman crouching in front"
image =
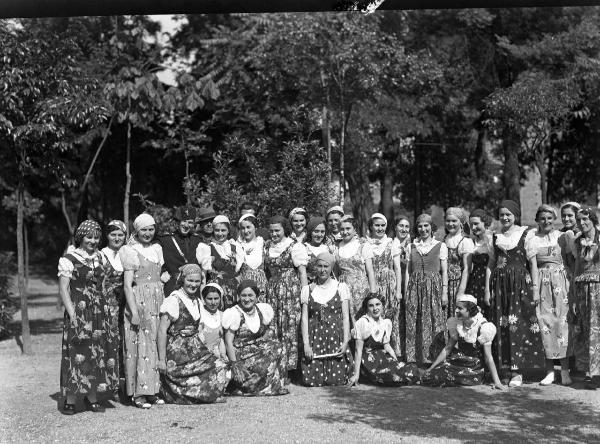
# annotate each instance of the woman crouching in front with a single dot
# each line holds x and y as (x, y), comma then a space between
(258, 361)
(470, 340)
(191, 371)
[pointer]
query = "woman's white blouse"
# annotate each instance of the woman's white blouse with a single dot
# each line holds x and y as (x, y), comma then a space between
(113, 257)
(536, 242)
(210, 320)
(253, 252)
(487, 332)
(366, 326)
(205, 259)
(378, 246)
(509, 241)
(232, 317)
(170, 305)
(129, 255)
(465, 244)
(322, 294)
(299, 252)
(350, 249)
(66, 267)
(425, 247)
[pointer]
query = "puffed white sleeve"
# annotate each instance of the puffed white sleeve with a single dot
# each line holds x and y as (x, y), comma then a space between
(451, 326)
(443, 252)
(367, 251)
(304, 294)
(387, 325)
(299, 254)
(231, 319)
(530, 243)
(466, 246)
(170, 306)
(129, 258)
(65, 268)
(159, 253)
(487, 332)
(362, 329)
(267, 312)
(203, 256)
(344, 291)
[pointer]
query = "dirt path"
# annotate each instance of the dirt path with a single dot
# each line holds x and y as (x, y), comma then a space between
(29, 389)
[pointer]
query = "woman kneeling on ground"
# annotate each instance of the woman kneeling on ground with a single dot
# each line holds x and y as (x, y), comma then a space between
(375, 357)
(258, 361)
(191, 371)
(459, 362)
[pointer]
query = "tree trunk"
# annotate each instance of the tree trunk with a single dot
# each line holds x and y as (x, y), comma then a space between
(342, 177)
(512, 173)
(540, 163)
(25, 333)
(326, 137)
(387, 196)
(362, 203)
(127, 176)
(418, 203)
(26, 248)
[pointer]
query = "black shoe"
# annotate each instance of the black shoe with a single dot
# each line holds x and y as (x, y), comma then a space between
(589, 384)
(68, 409)
(94, 406)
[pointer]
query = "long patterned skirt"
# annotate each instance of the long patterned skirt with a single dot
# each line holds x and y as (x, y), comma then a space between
(552, 311)
(424, 315)
(586, 296)
(380, 368)
(283, 294)
(194, 374)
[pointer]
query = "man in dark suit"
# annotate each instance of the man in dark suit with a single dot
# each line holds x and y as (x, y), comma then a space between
(179, 248)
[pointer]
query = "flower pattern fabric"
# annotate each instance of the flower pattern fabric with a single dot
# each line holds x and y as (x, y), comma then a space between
(194, 374)
(352, 272)
(261, 358)
(283, 294)
(517, 346)
(224, 272)
(89, 358)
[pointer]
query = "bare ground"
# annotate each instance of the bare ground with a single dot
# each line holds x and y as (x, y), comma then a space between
(29, 397)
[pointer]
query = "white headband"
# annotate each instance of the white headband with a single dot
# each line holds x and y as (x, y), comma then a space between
(220, 219)
(379, 216)
(466, 298)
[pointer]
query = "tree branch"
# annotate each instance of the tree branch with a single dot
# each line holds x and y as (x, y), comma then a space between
(89, 171)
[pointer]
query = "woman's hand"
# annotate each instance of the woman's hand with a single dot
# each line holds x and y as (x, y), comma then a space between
(308, 352)
(72, 319)
(498, 386)
(165, 277)
(342, 350)
(353, 381)
(536, 296)
(162, 367)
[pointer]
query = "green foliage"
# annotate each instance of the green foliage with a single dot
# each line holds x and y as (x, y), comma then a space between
(7, 307)
(296, 176)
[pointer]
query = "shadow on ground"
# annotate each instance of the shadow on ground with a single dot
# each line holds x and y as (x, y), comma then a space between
(467, 414)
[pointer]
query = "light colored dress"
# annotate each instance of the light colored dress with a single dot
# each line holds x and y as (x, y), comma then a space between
(350, 265)
(222, 262)
(253, 267)
(141, 353)
(195, 373)
(326, 334)
(259, 354)
(283, 293)
(553, 286)
(458, 245)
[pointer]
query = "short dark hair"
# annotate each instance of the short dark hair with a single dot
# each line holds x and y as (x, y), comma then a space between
(365, 301)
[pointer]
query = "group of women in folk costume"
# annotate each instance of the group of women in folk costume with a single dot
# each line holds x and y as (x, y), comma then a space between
(320, 301)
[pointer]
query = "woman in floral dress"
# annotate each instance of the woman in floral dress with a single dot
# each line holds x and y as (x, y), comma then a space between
(253, 267)
(460, 249)
(427, 294)
(315, 245)
(191, 371)
(258, 359)
(112, 286)
(586, 296)
(470, 338)
(479, 277)
(354, 263)
(545, 256)
(222, 259)
(519, 344)
(388, 274)
(88, 365)
(325, 328)
(285, 263)
(374, 357)
(402, 243)
(142, 261)
(298, 219)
